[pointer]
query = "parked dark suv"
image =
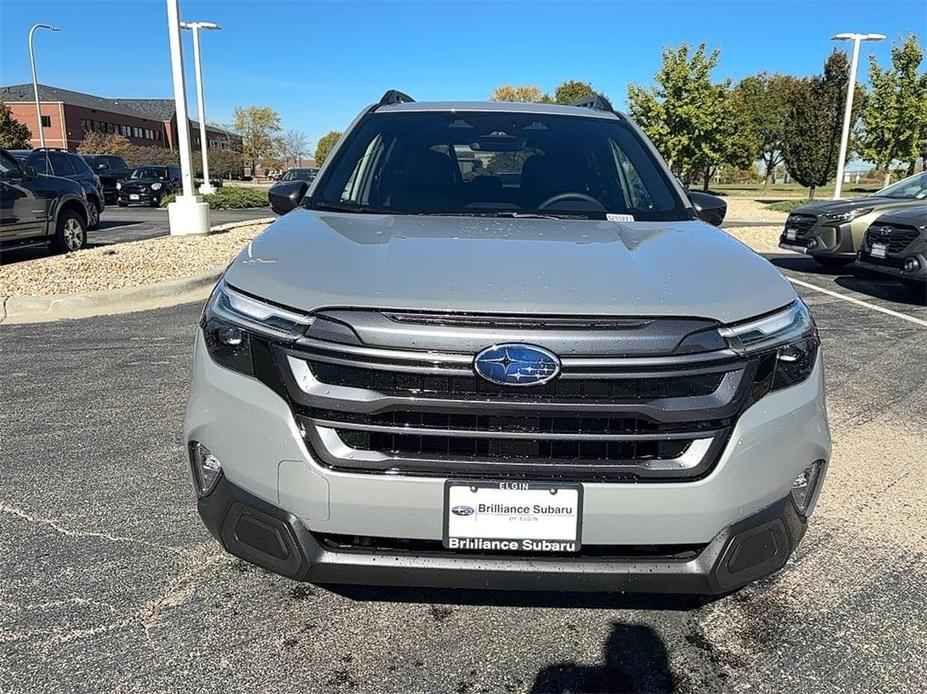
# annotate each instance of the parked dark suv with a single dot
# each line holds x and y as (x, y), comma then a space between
(146, 185)
(60, 162)
(34, 207)
(110, 169)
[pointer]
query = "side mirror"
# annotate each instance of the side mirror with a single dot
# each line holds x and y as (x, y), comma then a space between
(710, 208)
(286, 195)
(29, 173)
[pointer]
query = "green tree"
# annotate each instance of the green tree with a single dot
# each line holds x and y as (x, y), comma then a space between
(258, 127)
(895, 114)
(696, 124)
(572, 90)
(812, 135)
(13, 134)
(765, 100)
(325, 145)
(523, 93)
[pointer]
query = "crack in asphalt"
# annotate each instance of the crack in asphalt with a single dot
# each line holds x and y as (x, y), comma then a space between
(62, 530)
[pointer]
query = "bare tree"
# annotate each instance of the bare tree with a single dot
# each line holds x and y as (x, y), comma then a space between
(295, 143)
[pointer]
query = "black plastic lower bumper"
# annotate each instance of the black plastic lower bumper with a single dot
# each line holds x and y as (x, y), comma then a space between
(274, 539)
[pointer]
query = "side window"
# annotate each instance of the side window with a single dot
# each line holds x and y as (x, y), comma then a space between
(80, 166)
(173, 172)
(39, 163)
(116, 164)
(8, 168)
(61, 164)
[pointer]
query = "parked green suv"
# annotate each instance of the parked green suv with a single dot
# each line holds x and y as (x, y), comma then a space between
(896, 245)
(832, 231)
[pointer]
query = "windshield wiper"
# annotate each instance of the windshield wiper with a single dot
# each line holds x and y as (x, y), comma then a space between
(543, 215)
(357, 209)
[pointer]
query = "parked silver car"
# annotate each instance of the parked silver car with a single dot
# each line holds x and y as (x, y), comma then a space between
(541, 372)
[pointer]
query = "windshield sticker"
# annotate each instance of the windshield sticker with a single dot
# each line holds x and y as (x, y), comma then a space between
(612, 217)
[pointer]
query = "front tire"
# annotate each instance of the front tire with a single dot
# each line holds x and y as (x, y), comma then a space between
(828, 262)
(70, 234)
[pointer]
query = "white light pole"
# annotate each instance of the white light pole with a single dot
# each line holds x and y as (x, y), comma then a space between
(206, 188)
(848, 109)
(189, 214)
(35, 79)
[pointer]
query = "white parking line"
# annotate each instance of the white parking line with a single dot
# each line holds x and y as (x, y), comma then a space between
(859, 302)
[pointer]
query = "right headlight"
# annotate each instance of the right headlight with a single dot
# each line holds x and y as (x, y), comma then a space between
(232, 320)
(790, 334)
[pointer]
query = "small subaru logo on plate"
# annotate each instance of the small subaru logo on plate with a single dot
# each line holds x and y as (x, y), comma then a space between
(462, 510)
(517, 365)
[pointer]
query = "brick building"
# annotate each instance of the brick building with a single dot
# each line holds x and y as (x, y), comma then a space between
(68, 115)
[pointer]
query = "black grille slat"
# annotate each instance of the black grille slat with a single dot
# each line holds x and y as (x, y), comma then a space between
(396, 383)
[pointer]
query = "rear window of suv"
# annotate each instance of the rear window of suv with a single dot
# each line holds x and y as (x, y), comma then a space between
(501, 163)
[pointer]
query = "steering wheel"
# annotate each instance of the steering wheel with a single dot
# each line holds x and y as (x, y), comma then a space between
(560, 197)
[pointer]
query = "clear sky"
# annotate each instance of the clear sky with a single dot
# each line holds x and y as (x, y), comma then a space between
(318, 63)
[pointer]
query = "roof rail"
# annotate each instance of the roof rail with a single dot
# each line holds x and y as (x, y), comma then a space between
(394, 96)
(594, 101)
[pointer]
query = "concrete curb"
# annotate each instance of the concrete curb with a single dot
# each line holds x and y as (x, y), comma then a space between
(41, 309)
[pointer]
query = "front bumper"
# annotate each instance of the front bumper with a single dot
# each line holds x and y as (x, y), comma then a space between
(867, 262)
(251, 429)
(823, 239)
(141, 198)
(275, 539)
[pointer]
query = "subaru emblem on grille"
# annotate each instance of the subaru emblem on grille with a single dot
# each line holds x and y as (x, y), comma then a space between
(517, 365)
(885, 231)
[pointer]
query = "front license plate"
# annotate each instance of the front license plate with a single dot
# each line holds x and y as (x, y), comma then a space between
(791, 234)
(878, 250)
(512, 516)
(133, 196)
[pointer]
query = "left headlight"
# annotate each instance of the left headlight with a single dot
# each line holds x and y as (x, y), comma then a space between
(848, 216)
(789, 333)
(231, 320)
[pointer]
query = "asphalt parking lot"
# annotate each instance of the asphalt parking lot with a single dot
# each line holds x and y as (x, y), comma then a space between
(111, 583)
(121, 224)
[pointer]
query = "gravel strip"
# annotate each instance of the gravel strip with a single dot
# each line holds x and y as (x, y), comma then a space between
(132, 264)
(760, 239)
(750, 210)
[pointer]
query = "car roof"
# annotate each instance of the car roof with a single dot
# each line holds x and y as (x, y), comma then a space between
(498, 107)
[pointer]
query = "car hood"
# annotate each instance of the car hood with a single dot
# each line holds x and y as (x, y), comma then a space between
(311, 260)
(838, 206)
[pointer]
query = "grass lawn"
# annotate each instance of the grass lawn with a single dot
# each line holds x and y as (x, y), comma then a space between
(780, 191)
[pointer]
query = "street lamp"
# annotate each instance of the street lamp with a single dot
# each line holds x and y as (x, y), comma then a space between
(188, 214)
(848, 109)
(35, 80)
(206, 188)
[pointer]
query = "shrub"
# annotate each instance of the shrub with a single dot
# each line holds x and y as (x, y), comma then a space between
(787, 205)
(229, 199)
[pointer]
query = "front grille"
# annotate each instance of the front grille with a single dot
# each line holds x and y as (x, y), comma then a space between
(390, 402)
(801, 222)
(895, 238)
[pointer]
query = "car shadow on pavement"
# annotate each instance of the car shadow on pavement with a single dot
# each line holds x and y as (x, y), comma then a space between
(854, 279)
(635, 660)
(515, 598)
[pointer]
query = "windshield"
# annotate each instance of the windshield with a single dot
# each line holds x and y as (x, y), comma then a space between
(498, 164)
(150, 172)
(912, 188)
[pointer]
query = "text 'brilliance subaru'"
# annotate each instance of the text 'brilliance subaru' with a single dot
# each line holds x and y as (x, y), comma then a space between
(493, 346)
